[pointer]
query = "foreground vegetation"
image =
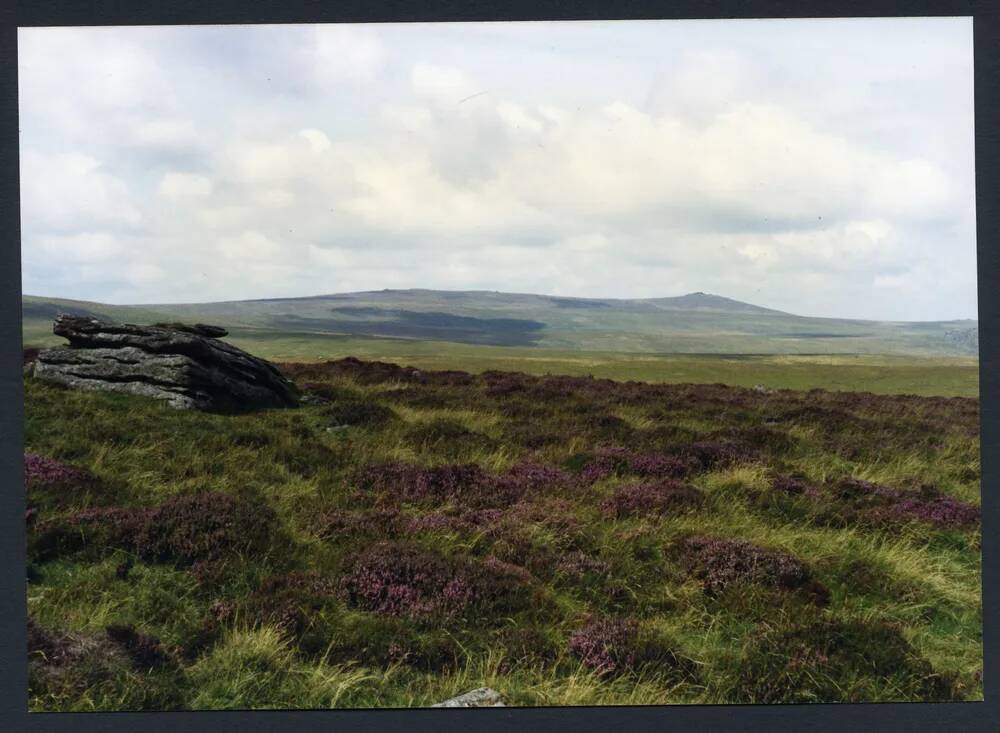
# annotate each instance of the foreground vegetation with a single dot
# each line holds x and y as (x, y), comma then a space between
(410, 535)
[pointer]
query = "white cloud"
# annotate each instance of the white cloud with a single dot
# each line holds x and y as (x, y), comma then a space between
(90, 247)
(167, 134)
(345, 53)
(620, 160)
(184, 185)
(73, 191)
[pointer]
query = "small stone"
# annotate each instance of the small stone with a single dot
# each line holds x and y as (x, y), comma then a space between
(483, 697)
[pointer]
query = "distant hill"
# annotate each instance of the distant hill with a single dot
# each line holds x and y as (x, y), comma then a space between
(692, 323)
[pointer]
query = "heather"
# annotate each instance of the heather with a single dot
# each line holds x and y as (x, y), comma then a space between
(410, 534)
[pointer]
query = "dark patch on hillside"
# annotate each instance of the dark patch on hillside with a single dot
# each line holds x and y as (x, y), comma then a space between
(820, 335)
(578, 303)
(423, 325)
(359, 310)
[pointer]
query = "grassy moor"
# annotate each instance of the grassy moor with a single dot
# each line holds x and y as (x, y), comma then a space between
(520, 364)
(409, 534)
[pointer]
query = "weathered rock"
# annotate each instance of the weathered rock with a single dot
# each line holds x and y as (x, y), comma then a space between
(199, 329)
(187, 366)
(483, 697)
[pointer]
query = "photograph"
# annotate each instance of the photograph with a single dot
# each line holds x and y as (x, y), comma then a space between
(513, 364)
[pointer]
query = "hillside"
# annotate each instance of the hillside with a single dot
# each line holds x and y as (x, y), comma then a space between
(690, 324)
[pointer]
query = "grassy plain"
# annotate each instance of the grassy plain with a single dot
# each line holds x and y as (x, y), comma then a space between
(897, 374)
(564, 541)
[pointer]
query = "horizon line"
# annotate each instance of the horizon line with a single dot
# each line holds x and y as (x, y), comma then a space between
(498, 292)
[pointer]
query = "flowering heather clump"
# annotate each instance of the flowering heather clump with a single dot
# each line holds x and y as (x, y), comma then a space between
(183, 529)
(449, 482)
(530, 477)
(615, 646)
(721, 563)
(438, 522)
(937, 509)
(872, 503)
(617, 461)
(483, 518)
(40, 470)
(399, 579)
(405, 580)
(467, 483)
(363, 372)
(651, 498)
(607, 461)
(29, 355)
(205, 526)
(502, 384)
(661, 466)
(608, 646)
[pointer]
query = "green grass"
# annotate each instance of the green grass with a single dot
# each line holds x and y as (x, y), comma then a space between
(919, 581)
(921, 375)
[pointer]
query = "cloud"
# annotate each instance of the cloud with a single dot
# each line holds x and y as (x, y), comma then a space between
(622, 160)
(184, 185)
(73, 192)
(84, 248)
(346, 54)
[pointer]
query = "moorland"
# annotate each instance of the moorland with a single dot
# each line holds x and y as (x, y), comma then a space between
(411, 534)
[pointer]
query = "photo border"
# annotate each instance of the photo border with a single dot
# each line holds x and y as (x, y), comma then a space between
(817, 718)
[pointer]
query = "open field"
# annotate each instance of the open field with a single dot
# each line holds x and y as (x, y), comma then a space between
(945, 376)
(562, 540)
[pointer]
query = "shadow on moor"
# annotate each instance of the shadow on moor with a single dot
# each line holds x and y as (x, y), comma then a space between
(406, 535)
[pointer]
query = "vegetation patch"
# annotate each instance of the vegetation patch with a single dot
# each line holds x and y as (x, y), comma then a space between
(650, 499)
(356, 413)
(615, 646)
(720, 563)
(836, 661)
(184, 529)
(399, 579)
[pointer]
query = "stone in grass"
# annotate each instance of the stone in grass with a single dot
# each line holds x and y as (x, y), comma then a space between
(483, 697)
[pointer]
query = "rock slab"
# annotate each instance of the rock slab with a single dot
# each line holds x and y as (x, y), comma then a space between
(186, 366)
(483, 697)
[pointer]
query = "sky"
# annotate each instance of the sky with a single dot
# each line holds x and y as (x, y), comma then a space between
(821, 167)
